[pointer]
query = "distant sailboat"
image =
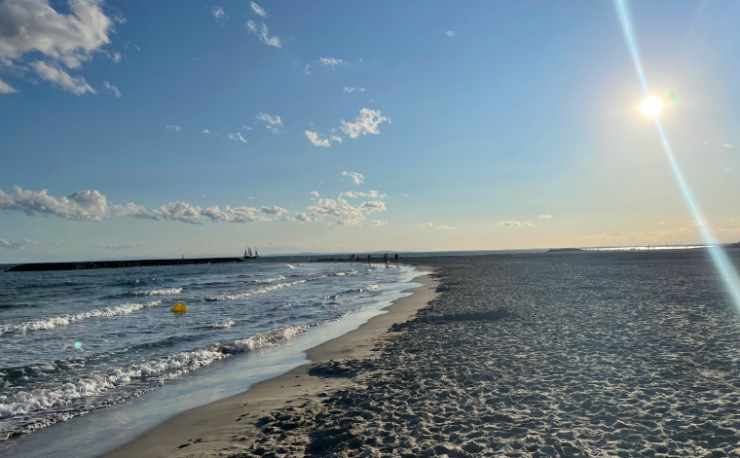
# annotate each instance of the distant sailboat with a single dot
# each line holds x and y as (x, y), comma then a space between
(248, 254)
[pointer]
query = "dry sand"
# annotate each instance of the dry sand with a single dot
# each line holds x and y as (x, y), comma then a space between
(232, 426)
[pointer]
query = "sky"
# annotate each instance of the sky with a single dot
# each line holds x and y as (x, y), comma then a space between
(168, 128)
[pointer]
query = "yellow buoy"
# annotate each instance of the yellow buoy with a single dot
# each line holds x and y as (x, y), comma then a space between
(179, 308)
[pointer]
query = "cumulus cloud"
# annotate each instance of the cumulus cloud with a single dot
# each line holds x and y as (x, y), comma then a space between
(353, 89)
(258, 9)
(378, 222)
(450, 33)
(446, 228)
(185, 213)
(331, 62)
(117, 57)
(367, 122)
(516, 224)
(545, 217)
(313, 137)
(61, 79)
(218, 13)
(262, 33)
(357, 178)
(726, 145)
(206, 131)
(275, 121)
(34, 26)
(341, 211)
(93, 206)
(315, 194)
(114, 90)
(5, 88)
(81, 206)
(17, 244)
(237, 137)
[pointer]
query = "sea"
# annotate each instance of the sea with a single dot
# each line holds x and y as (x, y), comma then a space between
(90, 359)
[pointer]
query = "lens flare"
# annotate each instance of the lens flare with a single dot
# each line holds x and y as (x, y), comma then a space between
(652, 106)
(720, 259)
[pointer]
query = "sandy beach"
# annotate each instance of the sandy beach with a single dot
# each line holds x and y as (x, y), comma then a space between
(551, 355)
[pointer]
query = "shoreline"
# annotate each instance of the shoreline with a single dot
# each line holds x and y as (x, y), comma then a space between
(229, 425)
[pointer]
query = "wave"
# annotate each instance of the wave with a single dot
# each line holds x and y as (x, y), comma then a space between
(270, 280)
(223, 325)
(368, 288)
(283, 307)
(254, 292)
(341, 274)
(289, 266)
(157, 371)
(158, 292)
(46, 323)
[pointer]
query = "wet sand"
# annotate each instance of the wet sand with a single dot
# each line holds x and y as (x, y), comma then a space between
(231, 426)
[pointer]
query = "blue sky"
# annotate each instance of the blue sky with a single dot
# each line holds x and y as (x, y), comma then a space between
(485, 125)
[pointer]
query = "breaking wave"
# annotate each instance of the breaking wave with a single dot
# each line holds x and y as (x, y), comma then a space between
(368, 288)
(159, 292)
(52, 322)
(223, 325)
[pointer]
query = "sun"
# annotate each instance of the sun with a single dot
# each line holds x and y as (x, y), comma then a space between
(652, 106)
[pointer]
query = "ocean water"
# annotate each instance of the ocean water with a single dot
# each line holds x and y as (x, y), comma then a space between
(80, 341)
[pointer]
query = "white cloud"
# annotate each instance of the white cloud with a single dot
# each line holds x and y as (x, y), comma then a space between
(261, 33)
(237, 137)
(370, 194)
(258, 9)
(515, 224)
(353, 89)
(340, 210)
(378, 222)
(331, 62)
(446, 228)
(450, 33)
(81, 206)
(5, 88)
(729, 170)
(62, 79)
(184, 212)
(218, 13)
(173, 127)
(112, 88)
(315, 194)
(545, 217)
(335, 138)
(34, 26)
(206, 131)
(307, 69)
(357, 178)
(117, 57)
(368, 122)
(726, 145)
(17, 244)
(276, 121)
(313, 137)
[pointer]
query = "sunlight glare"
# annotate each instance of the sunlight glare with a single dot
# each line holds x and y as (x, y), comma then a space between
(652, 106)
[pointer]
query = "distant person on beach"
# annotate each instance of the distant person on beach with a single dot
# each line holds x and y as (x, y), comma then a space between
(396, 258)
(368, 260)
(385, 258)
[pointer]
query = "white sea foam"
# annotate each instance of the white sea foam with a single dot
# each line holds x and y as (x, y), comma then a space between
(368, 288)
(289, 266)
(162, 369)
(223, 325)
(283, 307)
(270, 280)
(254, 292)
(52, 322)
(159, 292)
